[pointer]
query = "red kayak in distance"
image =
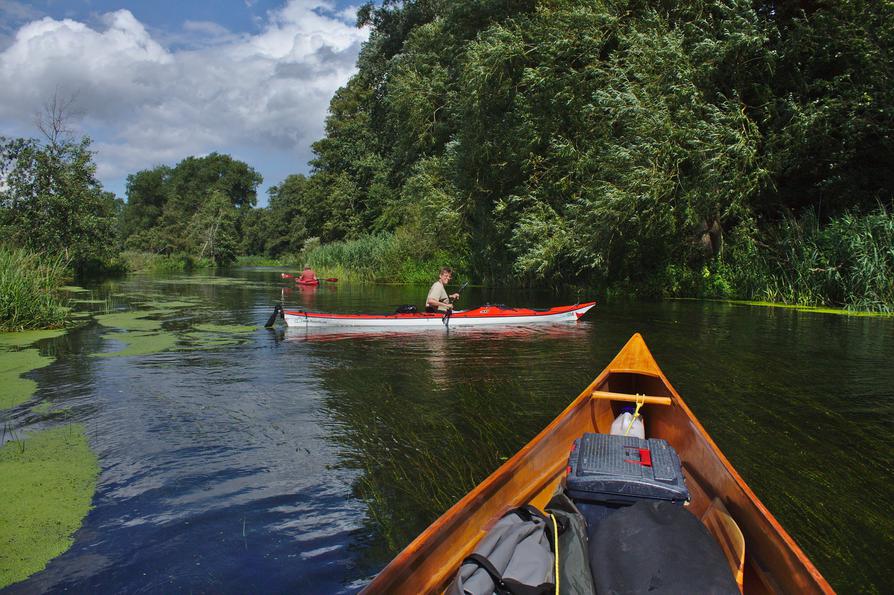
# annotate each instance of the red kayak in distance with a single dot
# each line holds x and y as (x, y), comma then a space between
(308, 282)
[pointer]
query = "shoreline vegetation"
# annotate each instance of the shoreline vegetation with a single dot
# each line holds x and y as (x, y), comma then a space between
(717, 149)
(30, 290)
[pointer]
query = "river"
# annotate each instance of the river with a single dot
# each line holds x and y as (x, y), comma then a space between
(237, 459)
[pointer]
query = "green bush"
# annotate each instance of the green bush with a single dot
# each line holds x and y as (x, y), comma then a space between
(29, 290)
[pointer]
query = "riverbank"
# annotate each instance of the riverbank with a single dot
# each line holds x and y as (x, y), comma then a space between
(845, 264)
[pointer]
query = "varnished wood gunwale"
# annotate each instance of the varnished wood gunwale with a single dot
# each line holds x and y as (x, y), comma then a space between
(773, 561)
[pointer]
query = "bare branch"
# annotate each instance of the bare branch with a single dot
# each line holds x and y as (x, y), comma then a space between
(57, 112)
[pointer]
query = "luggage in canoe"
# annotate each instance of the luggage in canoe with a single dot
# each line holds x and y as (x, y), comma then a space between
(760, 555)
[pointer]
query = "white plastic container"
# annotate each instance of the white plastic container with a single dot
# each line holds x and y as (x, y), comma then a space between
(623, 421)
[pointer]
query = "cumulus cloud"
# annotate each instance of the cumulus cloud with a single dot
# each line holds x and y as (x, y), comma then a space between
(145, 103)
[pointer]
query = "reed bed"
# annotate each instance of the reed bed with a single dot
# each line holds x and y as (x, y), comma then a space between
(847, 262)
(383, 257)
(29, 290)
(150, 262)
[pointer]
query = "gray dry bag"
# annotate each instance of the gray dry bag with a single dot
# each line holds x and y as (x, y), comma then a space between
(515, 557)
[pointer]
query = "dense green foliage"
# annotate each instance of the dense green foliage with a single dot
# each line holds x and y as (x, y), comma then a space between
(663, 147)
(197, 207)
(51, 202)
(720, 148)
(29, 290)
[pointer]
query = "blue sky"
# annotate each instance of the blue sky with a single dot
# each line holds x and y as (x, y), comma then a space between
(154, 82)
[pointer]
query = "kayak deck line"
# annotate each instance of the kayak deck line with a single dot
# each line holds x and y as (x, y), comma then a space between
(487, 314)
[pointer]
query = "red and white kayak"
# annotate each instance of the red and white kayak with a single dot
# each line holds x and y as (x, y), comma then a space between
(308, 282)
(476, 316)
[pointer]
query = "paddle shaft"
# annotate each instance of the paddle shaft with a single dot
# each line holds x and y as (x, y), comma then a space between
(446, 319)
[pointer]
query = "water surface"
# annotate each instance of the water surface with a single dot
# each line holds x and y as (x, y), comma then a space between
(236, 459)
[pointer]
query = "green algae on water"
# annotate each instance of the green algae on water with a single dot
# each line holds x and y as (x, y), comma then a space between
(24, 338)
(210, 341)
(13, 364)
(228, 281)
(171, 304)
(42, 408)
(133, 321)
(812, 309)
(73, 289)
(140, 343)
(225, 328)
(211, 335)
(48, 483)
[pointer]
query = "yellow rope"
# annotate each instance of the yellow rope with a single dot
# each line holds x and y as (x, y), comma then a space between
(556, 538)
(640, 401)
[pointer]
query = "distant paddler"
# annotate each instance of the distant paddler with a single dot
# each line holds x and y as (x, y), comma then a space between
(308, 276)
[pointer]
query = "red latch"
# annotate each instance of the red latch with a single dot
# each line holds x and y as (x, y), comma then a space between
(645, 458)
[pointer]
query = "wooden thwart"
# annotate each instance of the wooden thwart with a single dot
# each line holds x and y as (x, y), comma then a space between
(604, 394)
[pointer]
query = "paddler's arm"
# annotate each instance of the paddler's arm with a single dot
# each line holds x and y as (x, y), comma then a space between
(438, 304)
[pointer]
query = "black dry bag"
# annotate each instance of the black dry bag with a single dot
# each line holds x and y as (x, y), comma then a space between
(658, 548)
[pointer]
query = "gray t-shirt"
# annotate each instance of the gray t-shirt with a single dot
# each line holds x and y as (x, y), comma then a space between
(437, 292)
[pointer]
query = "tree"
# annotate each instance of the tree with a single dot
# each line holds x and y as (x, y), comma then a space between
(165, 203)
(52, 202)
(287, 216)
(146, 197)
(212, 230)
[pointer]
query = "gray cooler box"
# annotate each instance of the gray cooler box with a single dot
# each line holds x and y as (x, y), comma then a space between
(620, 470)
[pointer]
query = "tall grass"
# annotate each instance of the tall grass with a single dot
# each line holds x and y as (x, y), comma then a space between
(163, 263)
(847, 262)
(29, 290)
(381, 257)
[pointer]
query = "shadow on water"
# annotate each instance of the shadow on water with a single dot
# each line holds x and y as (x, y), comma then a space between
(239, 459)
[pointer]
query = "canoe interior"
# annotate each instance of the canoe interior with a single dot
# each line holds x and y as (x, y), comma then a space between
(773, 562)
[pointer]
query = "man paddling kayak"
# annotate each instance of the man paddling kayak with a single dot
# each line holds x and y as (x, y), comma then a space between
(438, 300)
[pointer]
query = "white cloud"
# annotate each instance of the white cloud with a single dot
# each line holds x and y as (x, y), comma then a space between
(146, 104)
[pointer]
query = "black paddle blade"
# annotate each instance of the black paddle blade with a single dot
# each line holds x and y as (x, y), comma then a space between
(272, 319)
